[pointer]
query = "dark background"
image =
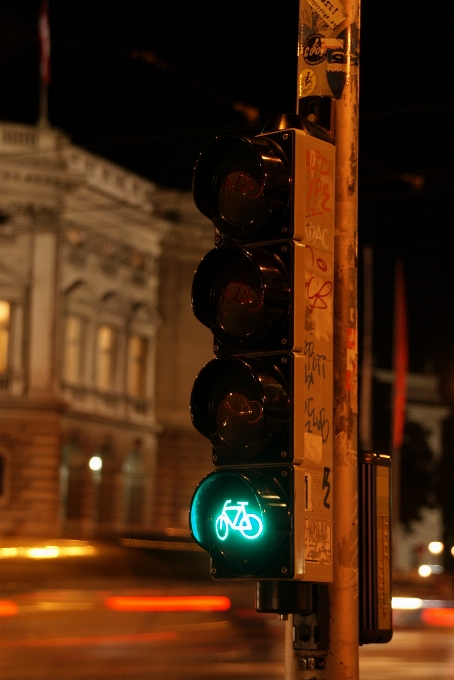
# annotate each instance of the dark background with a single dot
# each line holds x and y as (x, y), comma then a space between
(147, 84)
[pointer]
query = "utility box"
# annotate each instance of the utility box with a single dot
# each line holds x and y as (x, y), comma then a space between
(374, 510)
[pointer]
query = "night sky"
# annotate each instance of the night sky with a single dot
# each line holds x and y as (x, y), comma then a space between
(147, 84)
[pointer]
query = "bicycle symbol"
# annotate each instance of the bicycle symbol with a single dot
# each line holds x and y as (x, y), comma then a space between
(236, 518)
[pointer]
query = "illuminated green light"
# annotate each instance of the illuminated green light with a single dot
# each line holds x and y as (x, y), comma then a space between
(240, 516)
(236, 518)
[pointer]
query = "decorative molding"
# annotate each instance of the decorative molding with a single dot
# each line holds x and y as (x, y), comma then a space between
(111, 253)
(26, 218)
(110, 178)
(79, 298)
(39, 176)
(45, 156)
(19, 136)
(145, 424)
(18, 139)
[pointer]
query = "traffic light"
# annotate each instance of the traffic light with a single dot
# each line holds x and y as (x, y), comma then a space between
(265, 400)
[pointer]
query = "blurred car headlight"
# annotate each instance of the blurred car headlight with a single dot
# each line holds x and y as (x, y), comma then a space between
(406, 603)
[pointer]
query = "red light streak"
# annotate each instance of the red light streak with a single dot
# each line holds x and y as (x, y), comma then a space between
(435, 616)
(8, 608)
(187, 603)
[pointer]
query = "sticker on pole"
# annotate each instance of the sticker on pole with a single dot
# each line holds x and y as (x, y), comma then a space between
(307, 82)
(332, 11)
(314, 52)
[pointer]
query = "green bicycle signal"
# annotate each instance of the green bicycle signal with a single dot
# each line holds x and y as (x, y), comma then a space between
(236, 518)
(241, 517)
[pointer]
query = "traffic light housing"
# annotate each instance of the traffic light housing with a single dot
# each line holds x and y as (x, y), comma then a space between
(374, 533)
(265, 400)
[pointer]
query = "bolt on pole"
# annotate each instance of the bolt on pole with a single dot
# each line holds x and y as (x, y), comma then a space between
(328, 90)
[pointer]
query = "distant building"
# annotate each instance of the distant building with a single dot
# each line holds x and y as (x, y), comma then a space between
(425, 408)
(85, 366)
(184, 345)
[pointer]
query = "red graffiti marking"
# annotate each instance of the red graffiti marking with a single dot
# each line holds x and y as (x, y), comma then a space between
(318, 190)
(317, 290)
(318, 295)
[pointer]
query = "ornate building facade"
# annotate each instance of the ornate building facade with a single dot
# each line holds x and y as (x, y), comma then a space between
(96, 354)
(184, 345)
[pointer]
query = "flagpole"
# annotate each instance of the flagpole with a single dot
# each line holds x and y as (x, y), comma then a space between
(44, 44)
(399, 397)
(43, 120)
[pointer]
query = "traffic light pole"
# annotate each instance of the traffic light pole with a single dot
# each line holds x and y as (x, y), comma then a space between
(342, 659)
(336, 76)
(281, 505)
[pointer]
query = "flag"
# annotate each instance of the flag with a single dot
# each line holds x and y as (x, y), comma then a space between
(400, 363)
(365, 409)
(44, 43)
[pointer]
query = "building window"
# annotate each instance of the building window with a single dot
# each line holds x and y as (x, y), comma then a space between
(5, 314)
(106, 364)
(73, 349)
(137, 364)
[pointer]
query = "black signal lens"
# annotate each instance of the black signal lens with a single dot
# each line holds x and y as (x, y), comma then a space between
(243, 296)
(243, 185)
(239, 412)
(243, 407)
(238, 298)
(240, 189)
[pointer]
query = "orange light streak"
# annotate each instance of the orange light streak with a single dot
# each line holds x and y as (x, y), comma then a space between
(8, 608)
(186, 603)
(434, 616)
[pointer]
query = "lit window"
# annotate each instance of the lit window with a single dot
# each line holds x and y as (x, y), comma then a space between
(105, 373)
(5, 313)
(137, 359)
(73, 349)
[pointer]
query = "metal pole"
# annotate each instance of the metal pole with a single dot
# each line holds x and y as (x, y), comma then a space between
(343, 656)
(328, 69)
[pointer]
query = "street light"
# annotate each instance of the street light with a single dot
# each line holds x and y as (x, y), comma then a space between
(436, 547)
(424, 570)
(95, 463)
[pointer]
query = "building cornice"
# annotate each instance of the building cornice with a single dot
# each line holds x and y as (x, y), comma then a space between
(109, 178)
(114, 422)
(45, 155)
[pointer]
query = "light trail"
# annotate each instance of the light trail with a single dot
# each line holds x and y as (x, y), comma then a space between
(186, 603)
